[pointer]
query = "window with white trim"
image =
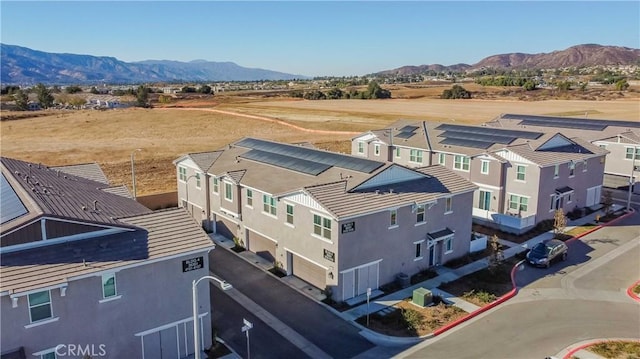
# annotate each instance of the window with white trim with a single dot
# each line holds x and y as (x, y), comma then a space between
(109, 285)
(228, 191)
(182, 171)
(518, 203)
(269, 205)
(420, 213)
(461, 162)
(360, 147)
(484, 200)
(448, 245)
(249, 197)
(322, 226)
(572, 169)
(398, 152)
(569, 197)
(215, 185)
(584, 166)
(393, 217)
(418, 250)
(289, 214)
(448, 205)
(415, 156)
(376, 149)
(556, 171)
(442, 158)
(629, 153)
(484, 167)
(40, 306)
(197, 176)
(520, 172)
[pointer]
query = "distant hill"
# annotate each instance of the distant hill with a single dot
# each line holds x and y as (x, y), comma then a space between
(21, 65)
(575, 56)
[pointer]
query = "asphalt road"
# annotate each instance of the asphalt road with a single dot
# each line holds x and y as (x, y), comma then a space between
(324, 329)
(264, 342)
(580, 299)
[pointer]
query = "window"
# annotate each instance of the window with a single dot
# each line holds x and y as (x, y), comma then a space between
(322, 226)
(228, 191)
(448, 245)
(197, 180)
(603, 146)
(40, 306)
(484, 168)
(442, 159)
(249, 198)
(520, 171)
(109, 286)
(584, 166)
(289, 214)
(629, 153)
(448, 205)
(553, 203)
(569, 198)
(461, 162)
(398, 152)
(415, 156)
(376, 149)
(420, 214)
(418, 250)
(484, 200)
(183, 173)
(215, 185)
(556, 171)
(518, 203)
(269, 204)
(360, 147)
(393, 217)
(572, 169)
(49, 355)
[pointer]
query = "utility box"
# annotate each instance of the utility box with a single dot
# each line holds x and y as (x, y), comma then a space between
(422, 297)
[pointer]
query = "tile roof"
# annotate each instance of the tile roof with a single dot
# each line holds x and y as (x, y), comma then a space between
(121, 191)
(578, 152)
(439, 182)
(156, 235)
(204, 160)
(56, 194)
(90, 171)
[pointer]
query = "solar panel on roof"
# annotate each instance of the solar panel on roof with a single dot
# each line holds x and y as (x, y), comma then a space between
(478, 137)
(466, 143)
(533, 119)
(563, 124)
(291, 163)
(405, 135)
(490, 131)
(408, 128)
(313, 155)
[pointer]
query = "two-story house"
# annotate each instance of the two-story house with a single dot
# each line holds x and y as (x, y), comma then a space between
(336, 221)
(620, 138)
(522, 176)
(86, 271)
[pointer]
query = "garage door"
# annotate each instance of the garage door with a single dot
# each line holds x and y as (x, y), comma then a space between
(262, 246)
(309, 272)
(225, 227)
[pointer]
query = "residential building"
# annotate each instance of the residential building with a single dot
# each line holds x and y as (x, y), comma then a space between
(522, 176)
(620, 138)
(87, 271)
(337, 221)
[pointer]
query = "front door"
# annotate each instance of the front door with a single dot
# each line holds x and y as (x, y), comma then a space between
(434, 254)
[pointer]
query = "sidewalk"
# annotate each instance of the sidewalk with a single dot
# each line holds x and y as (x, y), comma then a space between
(447, 275)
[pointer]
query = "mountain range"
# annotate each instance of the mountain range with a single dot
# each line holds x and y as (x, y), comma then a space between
(21, 65)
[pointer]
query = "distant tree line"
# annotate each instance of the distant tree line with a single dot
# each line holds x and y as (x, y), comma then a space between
(204, 89)
(526, 83)
(373, 91)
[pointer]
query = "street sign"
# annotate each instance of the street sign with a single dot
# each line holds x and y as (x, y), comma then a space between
(247, 325)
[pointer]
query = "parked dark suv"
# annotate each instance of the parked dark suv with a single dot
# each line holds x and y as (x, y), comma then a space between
(543, 253)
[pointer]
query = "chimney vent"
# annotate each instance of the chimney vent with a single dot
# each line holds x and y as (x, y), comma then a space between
(95, 205)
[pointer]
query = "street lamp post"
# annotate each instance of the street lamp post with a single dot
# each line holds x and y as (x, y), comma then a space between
(631, 178)
(133, 171)
(196, 327)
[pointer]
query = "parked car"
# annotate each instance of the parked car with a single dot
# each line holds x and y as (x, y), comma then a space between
(543, 253)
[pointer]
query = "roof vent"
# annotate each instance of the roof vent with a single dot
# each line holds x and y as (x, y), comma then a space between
(95, 205)
(377, 191)
(390, 190)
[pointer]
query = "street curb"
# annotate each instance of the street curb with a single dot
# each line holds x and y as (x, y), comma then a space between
(629, 213)
(587, 344)
(630, 292)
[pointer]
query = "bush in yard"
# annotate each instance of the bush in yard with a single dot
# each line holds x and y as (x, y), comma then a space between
(413, 318)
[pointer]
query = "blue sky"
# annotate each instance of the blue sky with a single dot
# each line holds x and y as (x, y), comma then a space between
(316, 38)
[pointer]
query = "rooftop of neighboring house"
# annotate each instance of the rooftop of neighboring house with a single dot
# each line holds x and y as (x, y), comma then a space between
(585, 128)
(543, 148)
(151, 236)
(30, 191)
(344, 184)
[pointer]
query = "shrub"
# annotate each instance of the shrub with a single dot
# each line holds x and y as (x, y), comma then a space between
(413, 318)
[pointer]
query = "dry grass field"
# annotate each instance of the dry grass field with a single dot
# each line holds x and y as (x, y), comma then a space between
(164, 134)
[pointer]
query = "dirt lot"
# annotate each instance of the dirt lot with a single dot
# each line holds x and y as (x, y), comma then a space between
(164, 134)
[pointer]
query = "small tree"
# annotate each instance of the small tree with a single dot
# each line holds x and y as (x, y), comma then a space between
(72, 89)
(529, 85)
(142, 96)
(44, 95)
(622, 85)
(497, 256)
(456, 92)
(559, 222)
(564, 85)
(607, 202)
(94, 90)
(22, 100)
